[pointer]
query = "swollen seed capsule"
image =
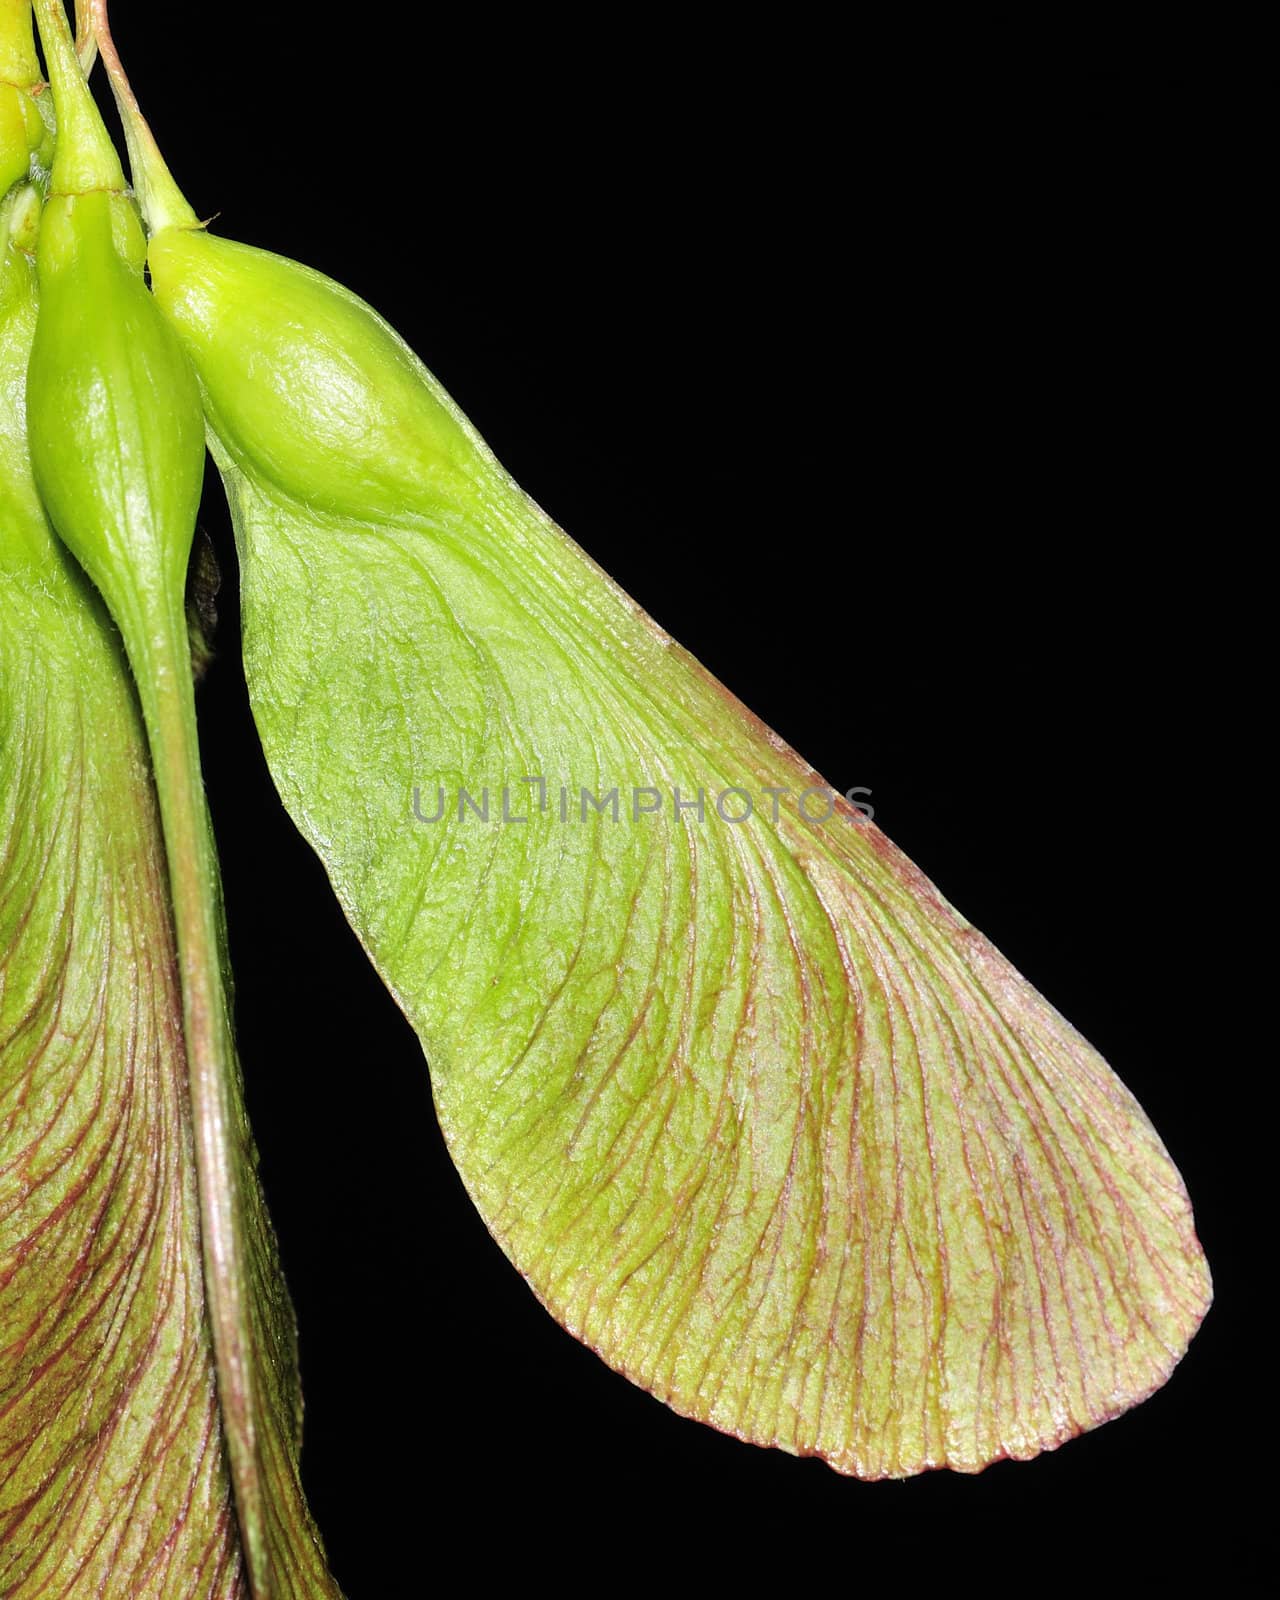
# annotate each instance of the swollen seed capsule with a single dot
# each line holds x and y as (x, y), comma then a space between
(117, 436)
(308, 386)
(113, 408)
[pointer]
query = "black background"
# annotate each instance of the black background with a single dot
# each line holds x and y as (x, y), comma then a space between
(884, 398)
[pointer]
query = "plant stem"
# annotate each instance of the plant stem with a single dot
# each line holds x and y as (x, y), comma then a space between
(159, 652)
(162, 202)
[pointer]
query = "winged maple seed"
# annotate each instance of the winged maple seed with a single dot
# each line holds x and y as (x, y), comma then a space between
(756, 1113)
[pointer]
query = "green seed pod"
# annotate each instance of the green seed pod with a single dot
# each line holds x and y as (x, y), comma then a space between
(350, 421)
(117, 436)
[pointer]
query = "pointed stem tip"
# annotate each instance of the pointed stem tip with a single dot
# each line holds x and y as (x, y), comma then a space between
(85, 159)
(163, 203)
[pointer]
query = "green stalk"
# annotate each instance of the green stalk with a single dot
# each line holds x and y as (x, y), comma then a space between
(158, 647)
(163, 203)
